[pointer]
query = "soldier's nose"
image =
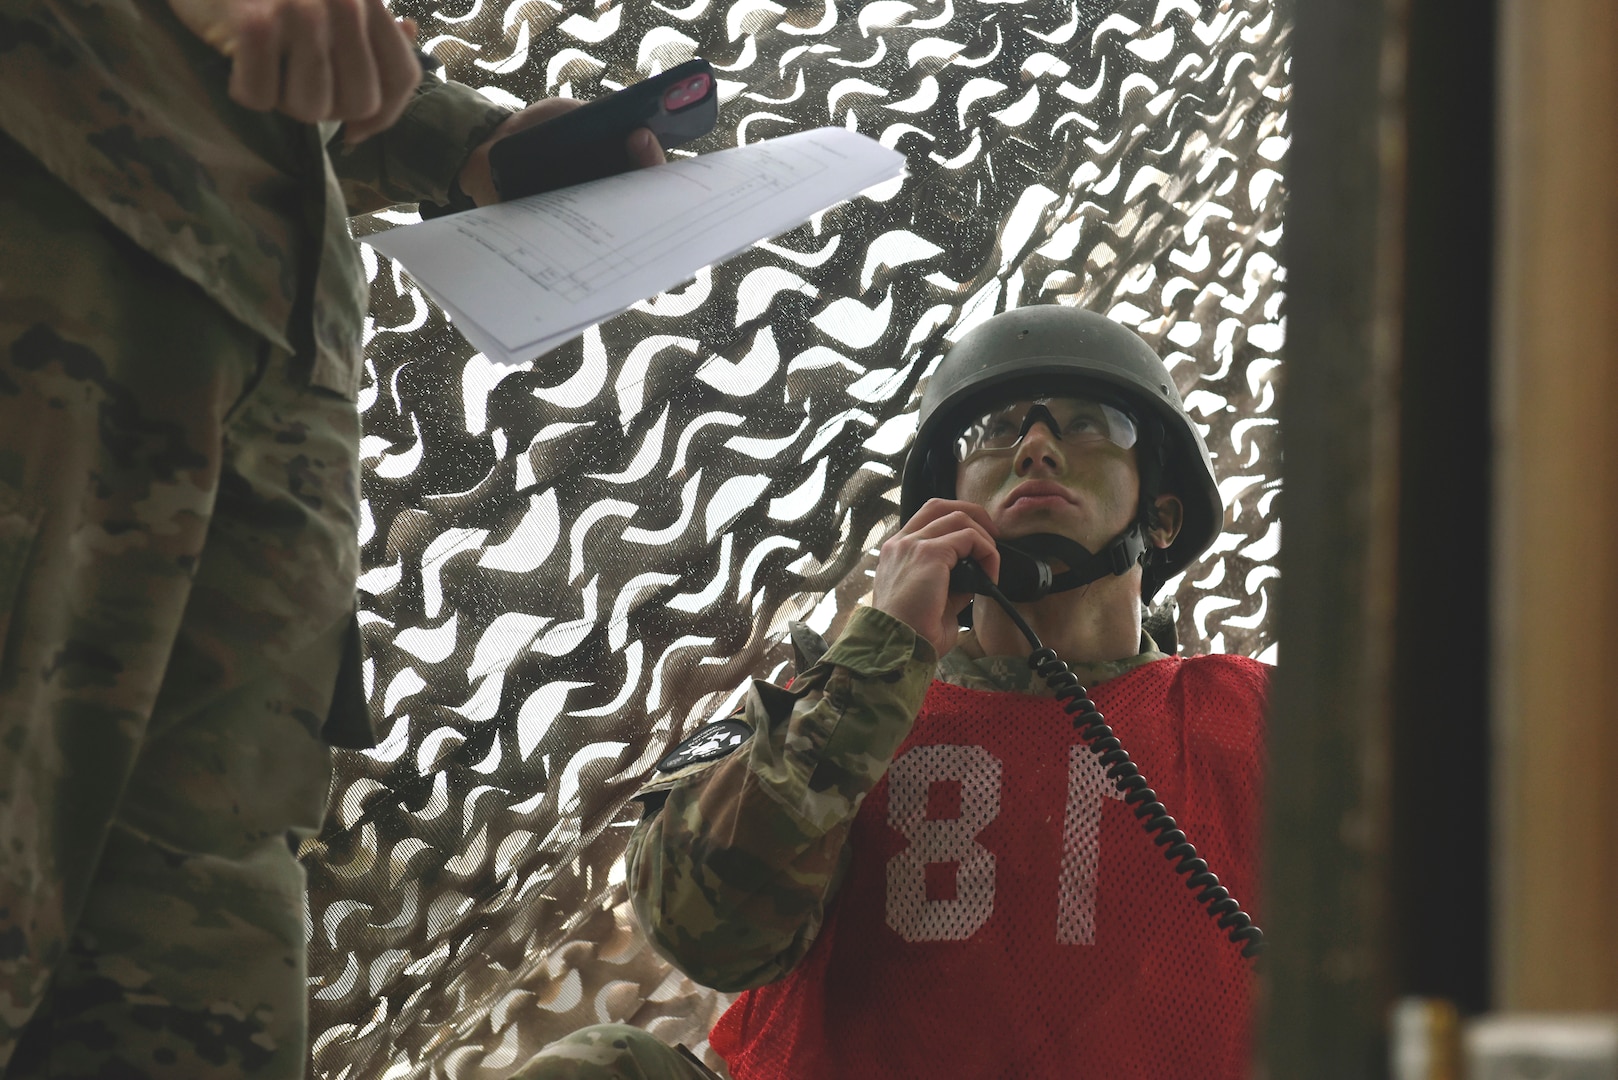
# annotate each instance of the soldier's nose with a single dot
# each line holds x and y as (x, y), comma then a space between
(1026, 462)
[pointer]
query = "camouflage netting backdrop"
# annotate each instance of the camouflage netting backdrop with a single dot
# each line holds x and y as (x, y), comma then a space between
(568, 567)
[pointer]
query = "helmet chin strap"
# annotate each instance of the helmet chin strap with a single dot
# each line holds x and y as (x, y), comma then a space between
(1025, 563)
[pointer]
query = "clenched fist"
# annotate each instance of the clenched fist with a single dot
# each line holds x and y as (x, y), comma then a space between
(344, 60)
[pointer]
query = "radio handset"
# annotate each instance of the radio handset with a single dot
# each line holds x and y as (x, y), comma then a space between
(1025, 577)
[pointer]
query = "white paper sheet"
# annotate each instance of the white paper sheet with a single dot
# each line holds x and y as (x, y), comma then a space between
(520, 278)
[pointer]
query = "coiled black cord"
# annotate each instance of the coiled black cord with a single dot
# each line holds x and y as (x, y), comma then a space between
(1152, 814)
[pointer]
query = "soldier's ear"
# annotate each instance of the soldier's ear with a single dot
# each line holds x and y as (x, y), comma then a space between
(1168, 514)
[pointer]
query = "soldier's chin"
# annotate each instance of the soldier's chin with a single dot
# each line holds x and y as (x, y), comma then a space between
(1022, 519)
(1033, 526)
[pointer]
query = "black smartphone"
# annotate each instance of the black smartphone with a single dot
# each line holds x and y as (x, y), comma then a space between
(588, 143)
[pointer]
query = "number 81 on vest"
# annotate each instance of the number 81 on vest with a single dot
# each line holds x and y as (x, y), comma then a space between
(915, 916)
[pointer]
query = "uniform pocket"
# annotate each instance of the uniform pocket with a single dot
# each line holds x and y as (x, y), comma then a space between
(336, 369)
(19, 524)
(338, 314)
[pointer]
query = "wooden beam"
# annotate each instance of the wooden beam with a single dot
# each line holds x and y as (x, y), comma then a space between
(1555, 642)
(1326, 905)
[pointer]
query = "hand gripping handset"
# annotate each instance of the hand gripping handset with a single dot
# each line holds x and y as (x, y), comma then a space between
(1026, 578)
(588, 143)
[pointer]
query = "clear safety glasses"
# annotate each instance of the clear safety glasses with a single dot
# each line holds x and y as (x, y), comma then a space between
(1073, 420)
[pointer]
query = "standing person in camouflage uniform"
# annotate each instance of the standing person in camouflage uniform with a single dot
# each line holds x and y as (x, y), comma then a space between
(879, 856)
(180, 316)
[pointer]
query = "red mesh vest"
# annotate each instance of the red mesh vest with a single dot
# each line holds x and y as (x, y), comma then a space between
(1006, 916)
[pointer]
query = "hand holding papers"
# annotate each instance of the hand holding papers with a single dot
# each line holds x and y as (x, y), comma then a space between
(520, 278)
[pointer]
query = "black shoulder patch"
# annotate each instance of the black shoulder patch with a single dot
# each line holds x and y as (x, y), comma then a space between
(708, 743)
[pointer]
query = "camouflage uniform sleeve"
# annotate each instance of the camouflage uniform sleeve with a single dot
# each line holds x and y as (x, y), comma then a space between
(419, 157)
(732, 868)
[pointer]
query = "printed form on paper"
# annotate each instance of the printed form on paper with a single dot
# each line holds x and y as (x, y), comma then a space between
(520, 278)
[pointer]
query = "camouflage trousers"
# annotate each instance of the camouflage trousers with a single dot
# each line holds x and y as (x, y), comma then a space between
(177, 559)
(612, 1052)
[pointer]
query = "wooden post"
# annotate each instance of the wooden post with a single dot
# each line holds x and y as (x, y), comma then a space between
(1326, 904)
(1555, 651)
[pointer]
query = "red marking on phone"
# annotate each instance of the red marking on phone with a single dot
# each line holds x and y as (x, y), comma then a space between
(687, 92)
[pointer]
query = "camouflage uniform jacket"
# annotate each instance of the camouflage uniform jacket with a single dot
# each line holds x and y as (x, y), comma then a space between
(736, 859)
(130, 110)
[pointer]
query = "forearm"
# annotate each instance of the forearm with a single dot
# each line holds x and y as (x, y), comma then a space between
(731, 877)
(420, 156)
(733, 899)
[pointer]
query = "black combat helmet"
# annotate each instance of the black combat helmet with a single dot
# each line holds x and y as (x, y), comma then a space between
(1052, 350)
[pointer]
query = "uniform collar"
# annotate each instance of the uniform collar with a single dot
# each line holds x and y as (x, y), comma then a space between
(966, 666)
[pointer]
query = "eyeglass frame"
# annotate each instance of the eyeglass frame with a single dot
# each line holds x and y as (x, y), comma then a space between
(1038, 410)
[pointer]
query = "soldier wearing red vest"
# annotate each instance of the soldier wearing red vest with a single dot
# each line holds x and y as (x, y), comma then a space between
(911, 862)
